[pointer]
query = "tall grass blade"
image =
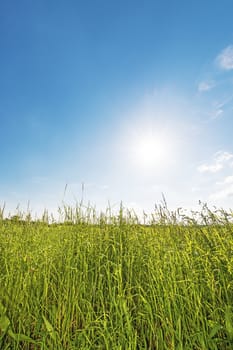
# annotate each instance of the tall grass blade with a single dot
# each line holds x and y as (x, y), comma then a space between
(50, 329)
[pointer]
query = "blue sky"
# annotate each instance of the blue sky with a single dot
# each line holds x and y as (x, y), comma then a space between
(131, 98)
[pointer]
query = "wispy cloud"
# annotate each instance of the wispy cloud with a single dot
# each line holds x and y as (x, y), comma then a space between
(226, 181)
(224, 102)
(225, 189)
(216, 114)
(222, 194)
(219, 107)
(210, 168)
(216, 87)
(225, 58)
(221, 159)
(204, 86)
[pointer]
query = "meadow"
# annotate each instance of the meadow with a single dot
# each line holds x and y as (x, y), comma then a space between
(112, 282)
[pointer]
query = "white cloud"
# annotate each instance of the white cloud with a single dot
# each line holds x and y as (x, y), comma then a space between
(226, 189)
(221, 159)
(223, 156)
(226, 181)
(206, 86)
(222, 194)
(211, 168)
(225, 58)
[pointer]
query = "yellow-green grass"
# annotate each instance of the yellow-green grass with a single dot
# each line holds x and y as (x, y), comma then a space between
(116, 286)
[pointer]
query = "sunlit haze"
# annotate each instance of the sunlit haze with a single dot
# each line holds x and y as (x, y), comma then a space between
(150, 147)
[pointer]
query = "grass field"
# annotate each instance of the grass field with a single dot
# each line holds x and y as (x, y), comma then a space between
(113, 283)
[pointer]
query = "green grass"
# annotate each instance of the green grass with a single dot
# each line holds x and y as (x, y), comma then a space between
(108, 282)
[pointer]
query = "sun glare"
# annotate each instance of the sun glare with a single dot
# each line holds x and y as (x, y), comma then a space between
(151, 149)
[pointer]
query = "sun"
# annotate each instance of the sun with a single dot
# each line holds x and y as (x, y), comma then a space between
(151, 149)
